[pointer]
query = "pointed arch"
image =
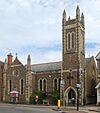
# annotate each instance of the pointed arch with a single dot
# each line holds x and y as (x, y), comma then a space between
(9, 86)
(21, 86)
(40, 84)
(73, 40)
(68, 40)
(55, 84)
(59, 81)
(45, 85)
(70, 92)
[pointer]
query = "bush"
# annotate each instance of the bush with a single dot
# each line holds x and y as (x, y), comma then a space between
(55, 97)
(41, 97)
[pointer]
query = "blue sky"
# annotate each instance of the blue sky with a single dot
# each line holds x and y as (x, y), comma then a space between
(34, 27)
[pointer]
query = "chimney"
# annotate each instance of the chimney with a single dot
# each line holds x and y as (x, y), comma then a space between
(10, 59)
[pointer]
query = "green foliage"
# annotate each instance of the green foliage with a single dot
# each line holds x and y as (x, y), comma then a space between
(41, 97)
(55, 97)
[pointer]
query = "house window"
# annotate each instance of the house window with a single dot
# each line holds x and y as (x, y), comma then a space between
(73, 39)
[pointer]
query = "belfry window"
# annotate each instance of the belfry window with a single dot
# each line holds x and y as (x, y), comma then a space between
(68, 41)
(73, 40)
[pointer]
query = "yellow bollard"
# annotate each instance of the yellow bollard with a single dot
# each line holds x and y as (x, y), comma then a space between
(58, 104)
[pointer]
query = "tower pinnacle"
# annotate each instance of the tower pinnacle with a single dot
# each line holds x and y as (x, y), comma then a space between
(64, 17)
(78, 12)
(29, 60)
(82, 19)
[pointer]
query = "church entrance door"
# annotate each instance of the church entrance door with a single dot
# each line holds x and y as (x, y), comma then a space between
(71, 97)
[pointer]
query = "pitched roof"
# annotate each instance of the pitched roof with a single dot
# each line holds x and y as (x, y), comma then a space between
(46, 66)
(98, 56)
(51, 66)
(16, 62)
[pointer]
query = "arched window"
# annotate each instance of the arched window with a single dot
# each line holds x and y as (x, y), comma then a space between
(22, 88)
(59, 84)
(73, 40)
(40, 85)
(68, 41)
(44, 85)
(55, 84)
(9, 86)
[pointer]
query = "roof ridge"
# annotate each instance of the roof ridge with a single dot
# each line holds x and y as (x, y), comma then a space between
(46, 63)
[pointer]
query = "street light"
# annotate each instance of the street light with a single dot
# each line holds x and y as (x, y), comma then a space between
(78, 87)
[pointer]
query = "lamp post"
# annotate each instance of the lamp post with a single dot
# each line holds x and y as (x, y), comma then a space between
(78, 58)
(78, 87)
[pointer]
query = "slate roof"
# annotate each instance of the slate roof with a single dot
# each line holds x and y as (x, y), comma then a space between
(52, 66)
(46, 66)
(16, 61)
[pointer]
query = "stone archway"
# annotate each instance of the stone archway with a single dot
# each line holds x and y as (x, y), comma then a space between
(70, 96)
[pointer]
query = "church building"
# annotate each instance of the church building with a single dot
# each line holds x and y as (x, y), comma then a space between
(75, 77)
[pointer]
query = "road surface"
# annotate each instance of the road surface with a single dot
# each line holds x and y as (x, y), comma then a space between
(14, 108)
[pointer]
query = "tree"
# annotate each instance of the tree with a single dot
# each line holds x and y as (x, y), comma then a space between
(55, 97)
(41, 97)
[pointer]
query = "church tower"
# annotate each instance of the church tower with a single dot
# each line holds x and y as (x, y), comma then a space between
(73, 56)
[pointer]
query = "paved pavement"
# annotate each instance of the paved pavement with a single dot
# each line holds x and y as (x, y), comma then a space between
(84, 109)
